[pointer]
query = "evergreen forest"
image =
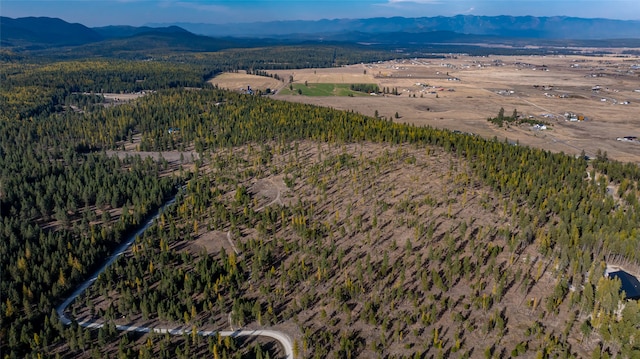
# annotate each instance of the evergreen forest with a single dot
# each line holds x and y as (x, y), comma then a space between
(355, 236)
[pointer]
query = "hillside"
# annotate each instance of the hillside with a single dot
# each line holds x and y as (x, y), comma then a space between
(155, 42)
(353, 250)
(528, 27)
(437, 34)
(359, 238)
(112, 32)
(44, 32)
(46, 36)
(352, 235)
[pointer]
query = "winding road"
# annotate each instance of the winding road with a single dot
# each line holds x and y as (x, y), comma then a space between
(92, 324)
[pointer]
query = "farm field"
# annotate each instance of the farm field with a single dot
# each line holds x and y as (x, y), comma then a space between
(321, 89)
(461, 92)
(240, 80)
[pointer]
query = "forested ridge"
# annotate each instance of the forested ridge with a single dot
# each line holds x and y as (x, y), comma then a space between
(65, 204)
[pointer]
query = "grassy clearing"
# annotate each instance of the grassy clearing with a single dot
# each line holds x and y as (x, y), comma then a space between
(321, 89)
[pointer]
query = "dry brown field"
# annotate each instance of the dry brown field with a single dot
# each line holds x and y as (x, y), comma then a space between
(238, 81)
(461, 92)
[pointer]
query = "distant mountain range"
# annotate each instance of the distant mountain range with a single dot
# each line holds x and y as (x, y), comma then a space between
(41, 33)
(48, 34)
(44, 31)
(531, 27)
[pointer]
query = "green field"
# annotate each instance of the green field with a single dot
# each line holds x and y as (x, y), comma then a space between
(321, 89)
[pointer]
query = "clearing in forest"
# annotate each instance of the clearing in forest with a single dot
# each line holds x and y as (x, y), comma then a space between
(367, 249)
(240, 80)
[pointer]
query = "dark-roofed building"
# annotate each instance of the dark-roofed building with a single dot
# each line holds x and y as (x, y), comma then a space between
(630, 284)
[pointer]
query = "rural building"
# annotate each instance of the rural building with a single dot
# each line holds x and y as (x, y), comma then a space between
(628, 139)
(630, 284)
(572, 117)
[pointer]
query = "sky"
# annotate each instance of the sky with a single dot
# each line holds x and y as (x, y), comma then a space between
(94, 13)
